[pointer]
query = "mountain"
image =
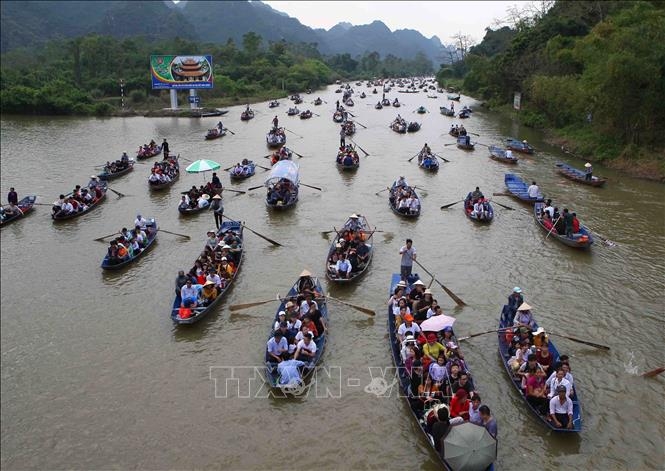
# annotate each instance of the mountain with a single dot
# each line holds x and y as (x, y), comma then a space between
(35, 22)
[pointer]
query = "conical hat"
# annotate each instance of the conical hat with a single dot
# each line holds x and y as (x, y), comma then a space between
(587, 164)
(305, 273)
(524, 307)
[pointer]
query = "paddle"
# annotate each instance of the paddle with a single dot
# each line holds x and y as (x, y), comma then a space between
(501, 194)
(442, 158)
(414, 156)
(483, 333)
(504, 206)
(364, 151)
(450, 144)
(116, 192)
(473, 134)
(316, 114)
(652, 373)
(173, 233)
(481, 144)
(254, 232)
(606, 241)
(310, 186)
(238, 307)
(597, 345)
(553, 227)
(236, 191)
(377, 193)
(361, 124)
(354, 306)
(299, 155)
(261, 166)
(451, 204)
(43, 204)
(227, 129)
(101, 239)
(254, 188)
(448, 292)
(293, 133)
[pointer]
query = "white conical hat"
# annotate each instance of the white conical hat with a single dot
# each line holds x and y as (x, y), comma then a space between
(524, 307)
(587, 164)
(305, 273)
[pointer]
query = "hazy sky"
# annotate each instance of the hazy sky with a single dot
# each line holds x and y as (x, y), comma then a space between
(442, 19)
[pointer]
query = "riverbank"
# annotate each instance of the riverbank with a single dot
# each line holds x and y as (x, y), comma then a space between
(584, 143)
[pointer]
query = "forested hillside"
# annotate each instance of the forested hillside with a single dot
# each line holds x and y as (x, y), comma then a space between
(82, 75)
(594, 71)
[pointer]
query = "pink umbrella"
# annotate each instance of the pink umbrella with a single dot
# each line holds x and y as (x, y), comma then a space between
(437, 323)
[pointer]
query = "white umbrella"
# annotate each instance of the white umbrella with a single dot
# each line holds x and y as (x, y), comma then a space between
(469, 447)
(437, 323)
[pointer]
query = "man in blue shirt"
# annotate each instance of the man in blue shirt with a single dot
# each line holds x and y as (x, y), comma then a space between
(277, 347)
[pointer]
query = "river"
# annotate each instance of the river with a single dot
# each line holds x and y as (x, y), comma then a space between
(95, 375)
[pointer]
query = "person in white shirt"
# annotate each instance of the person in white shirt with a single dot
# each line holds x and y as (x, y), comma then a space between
(67, 207)
(478, 210)
(140, 221)
(294, 323)
(549, 209)
(408, 325)
(533, 190)
(202, 202)
(414, 205)
(343, 267)
(474, 410)
(558, 379)
(306, 349)
(561, 409)
(280, 317)
(277, 347)
(509, 154)
(215, 278)
(434, 310)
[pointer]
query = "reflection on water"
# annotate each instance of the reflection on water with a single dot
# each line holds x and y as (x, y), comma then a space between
(94, 373)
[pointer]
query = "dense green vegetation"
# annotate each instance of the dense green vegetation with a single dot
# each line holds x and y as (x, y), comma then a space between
(82, 76)
(594, 71)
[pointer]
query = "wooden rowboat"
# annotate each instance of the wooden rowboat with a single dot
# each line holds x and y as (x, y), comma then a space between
(519, 189)
(151, 233)
(25, 205)
(105, 175)
(505, 322)
(498, 154)
(358, 223)
(578, 175)
(157, 150)
(305, 279)
(468, 210)
(102, 186)
(393, 202)
(420, 414)
(581, 240)
(200, 312)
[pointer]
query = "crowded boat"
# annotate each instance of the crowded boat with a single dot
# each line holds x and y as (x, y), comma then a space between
(403, 199)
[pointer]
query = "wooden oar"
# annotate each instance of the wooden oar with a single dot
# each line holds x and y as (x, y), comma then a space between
(364, 151)
(254, 232)
(43, 204)
(227, 129)
(504, 206)
(414, 156)
(652, 373)
(354, 306)
(293, 133)
(442, 158)
(451, 204)
(450, 144)
(501, 194)
(597, 345)
(116, 192)
(361, 124)
(238, 307)
(473, 133)
(448, 292)
(236, 191)
(173, 233)
(261, 166)
(254, 187)
(378, 192)
(101, 239)
(310, 186)
(481, 144)
(553, 227)
(299, 155)
(484, 333)
(606, 241)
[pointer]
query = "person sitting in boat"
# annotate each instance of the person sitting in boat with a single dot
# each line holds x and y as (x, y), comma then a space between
(343, 267)
(208, 293)
(112, 252)
(184, 202)
(139, 236)
(306, 348)
(189, 294)
(124, 158)
(509, 154)
(215, 181)
(408, 325)
(524, 317)
(202, 201)
(459, 404)
(477, 194)
(94, 181)
(478, 209)
(277, 347)
(123, 252)
(529, 369)
(86, 197)
(462, 131)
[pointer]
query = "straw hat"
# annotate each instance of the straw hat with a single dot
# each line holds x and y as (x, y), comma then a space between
(587, 164)
(524, 307)
(428, 291)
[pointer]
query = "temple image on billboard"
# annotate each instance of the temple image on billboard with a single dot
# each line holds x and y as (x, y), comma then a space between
(190, 70)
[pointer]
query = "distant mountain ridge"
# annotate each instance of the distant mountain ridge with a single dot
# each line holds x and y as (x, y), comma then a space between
(33, 23)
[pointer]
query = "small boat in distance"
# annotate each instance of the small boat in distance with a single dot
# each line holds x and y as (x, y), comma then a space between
(579, 176)
(24, 206)
(151, 235)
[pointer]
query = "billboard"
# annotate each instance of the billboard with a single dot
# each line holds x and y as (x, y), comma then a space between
(181, 72)
(517, 101)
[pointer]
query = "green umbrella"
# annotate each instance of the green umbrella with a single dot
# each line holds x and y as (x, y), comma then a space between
(469, 446)
(202, 165)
